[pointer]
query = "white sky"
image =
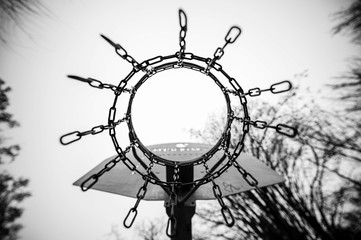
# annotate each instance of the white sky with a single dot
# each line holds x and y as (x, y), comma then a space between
(279, 39)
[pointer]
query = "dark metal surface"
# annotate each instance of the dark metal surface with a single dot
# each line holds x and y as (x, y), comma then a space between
(124, 182)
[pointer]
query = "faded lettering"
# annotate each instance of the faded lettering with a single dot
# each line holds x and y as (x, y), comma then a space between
(229, 187)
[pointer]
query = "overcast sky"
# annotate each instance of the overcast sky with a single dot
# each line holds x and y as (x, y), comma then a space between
(279, 39)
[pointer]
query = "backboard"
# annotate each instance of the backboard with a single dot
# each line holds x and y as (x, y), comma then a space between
(124, 182)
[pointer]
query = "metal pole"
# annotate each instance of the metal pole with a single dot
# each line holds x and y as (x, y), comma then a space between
(183, 212)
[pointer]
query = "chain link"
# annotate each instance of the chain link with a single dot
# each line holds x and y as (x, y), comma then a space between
(286, 130)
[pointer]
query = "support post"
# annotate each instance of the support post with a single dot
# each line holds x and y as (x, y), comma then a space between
(184, 212)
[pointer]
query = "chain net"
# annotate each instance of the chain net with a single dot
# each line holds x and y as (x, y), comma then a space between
(234, 96)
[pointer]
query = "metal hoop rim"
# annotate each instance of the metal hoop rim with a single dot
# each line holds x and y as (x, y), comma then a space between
(150, 154)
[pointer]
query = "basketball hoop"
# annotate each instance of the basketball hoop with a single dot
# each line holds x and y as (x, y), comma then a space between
(178, 187)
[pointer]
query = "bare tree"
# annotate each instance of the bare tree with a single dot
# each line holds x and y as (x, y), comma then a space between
(16, 12)
(114, 234)
(152, 230)
(350, 83)
(321, 197)
(12, 191)
(319, 200)
(350, 21)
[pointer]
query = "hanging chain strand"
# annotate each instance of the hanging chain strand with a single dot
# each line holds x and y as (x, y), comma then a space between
(93, 179)
(280, 128)
(176, 174)
(248, 177)
(182, 33)
(122, 53)
(98, 84)
(77, 135)
(226, 212)
(275, 88)
(132, 214)
(172, 201)
(231, 37)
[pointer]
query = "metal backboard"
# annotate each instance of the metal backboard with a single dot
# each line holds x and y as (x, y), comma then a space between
(120, 180)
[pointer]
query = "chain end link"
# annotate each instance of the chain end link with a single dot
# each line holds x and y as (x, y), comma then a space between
(133, 211)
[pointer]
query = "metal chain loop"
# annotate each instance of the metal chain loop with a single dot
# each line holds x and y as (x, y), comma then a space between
(232, 35)
(227, 216)
(132, 214)
(286, 130)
